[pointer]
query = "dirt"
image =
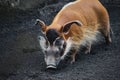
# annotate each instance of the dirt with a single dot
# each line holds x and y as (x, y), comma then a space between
(21, 57)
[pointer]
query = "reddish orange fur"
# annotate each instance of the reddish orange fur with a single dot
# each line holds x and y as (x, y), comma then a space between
(89, 12)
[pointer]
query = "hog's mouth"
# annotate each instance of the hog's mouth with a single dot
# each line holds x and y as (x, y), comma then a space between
(51, 66)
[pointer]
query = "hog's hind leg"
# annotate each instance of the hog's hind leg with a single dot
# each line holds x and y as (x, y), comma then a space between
(106, 30)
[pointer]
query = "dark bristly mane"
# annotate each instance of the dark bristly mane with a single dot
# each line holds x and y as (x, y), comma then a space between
(51, 35)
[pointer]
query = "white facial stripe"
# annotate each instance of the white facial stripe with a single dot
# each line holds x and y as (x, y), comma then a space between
(42, 42)
(67, 49)
(62, 44)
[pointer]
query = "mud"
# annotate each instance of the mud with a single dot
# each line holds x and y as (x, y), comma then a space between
(21, 57)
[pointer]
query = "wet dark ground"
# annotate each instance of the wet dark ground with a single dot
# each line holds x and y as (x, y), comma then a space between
(22, 59)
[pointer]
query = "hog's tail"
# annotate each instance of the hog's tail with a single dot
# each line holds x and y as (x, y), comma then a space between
(111, 33)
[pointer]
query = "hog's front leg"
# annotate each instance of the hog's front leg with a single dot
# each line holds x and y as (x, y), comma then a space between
(88, 48)
(73, 55)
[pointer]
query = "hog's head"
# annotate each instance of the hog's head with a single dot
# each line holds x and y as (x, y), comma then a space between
(53, 43)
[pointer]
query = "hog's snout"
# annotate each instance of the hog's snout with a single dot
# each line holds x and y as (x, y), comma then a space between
(51, 62)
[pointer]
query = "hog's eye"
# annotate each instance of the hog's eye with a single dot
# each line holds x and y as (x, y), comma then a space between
(47, 44)
(58, 42)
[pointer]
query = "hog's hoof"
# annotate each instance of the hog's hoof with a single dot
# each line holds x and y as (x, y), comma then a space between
(72, 61)
(87, 52)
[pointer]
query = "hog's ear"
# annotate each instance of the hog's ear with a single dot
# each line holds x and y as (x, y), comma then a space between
(67, 26)
(42, 24)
